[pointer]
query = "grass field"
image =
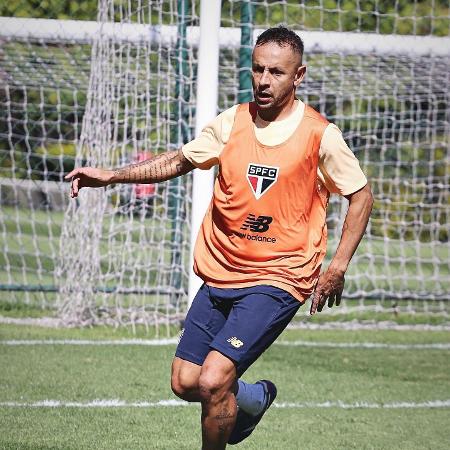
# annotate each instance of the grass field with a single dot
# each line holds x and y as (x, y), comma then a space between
(340, 397)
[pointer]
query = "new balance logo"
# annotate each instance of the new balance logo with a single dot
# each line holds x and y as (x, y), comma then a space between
(258, 224)
(235, 342)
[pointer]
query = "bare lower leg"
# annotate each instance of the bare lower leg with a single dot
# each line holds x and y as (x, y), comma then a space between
(217, 392)
(218, 418)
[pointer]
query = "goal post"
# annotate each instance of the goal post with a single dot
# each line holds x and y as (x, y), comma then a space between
(110, 91)
(85, 32)
(206, 109)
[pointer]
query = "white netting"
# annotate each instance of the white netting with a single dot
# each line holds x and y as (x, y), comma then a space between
(391, 100)
(124, 249)
(124, 254)
(42, 97)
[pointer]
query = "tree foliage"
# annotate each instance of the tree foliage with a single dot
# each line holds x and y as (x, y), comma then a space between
(50, 9)
(421, 17)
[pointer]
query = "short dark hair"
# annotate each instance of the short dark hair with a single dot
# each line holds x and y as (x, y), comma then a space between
(282, 36)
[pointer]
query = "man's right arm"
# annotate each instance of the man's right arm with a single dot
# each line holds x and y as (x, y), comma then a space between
(162, 167)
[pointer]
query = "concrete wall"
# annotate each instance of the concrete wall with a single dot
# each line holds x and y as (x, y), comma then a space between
(35, 194)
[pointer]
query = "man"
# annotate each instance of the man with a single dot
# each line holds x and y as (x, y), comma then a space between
(263, 239)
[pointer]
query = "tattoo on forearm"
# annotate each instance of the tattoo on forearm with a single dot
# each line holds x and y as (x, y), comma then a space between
(160, 168)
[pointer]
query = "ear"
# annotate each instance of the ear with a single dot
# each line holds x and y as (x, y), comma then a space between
(299, 75)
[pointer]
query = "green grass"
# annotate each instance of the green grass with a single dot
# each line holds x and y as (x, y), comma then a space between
(137, 373)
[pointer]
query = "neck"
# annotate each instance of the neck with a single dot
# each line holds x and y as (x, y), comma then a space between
(279, 112)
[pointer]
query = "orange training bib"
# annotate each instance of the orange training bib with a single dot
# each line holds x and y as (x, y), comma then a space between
(266, 221)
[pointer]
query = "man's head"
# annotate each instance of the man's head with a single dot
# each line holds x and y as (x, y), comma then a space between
(277, 68)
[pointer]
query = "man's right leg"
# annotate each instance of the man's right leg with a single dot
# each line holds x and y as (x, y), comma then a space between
(185, 376)
(204, 320)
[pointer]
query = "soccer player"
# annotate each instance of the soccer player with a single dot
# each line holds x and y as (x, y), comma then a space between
(263, 239)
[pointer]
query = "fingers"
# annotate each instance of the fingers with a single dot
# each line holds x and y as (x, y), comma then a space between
(318, 302)
(316, 297)
(334, 298)
(74, 176)
(331, 300)
(73, 173)
(329, 288)
(75, 187)
(322, 301)
(314, 303)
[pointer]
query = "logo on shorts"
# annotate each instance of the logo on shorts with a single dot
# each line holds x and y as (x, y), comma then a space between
(261, 178)
(258, 224)
(235, 342)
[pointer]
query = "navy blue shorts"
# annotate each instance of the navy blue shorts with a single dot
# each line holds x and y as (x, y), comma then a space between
(239, 323)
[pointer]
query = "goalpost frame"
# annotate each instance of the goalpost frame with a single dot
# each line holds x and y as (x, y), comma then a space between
(79, 31)
(206, 109)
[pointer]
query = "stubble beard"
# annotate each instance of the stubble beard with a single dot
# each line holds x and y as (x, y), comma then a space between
(275, 105)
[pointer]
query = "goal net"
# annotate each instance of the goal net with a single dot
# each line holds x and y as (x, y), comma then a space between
(120, 89)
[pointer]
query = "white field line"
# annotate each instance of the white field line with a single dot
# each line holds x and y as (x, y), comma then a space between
(115, 403)
(436, 345)
(366, 405)
(355, 325)
(163, 342)
(145, 342)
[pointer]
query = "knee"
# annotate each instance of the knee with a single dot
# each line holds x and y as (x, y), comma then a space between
(217, 378)
(184, 385)
(212, 386)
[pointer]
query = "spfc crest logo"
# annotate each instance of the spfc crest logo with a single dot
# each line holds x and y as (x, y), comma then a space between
(261, 178)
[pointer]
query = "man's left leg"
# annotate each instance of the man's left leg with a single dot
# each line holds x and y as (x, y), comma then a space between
(217, 386)
(258, 316)
(202, 375)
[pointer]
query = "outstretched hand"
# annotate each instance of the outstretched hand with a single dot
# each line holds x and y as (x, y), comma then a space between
(87, 177)
(329, 287)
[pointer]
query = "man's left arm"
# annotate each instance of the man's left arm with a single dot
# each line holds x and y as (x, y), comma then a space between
(331, 283)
